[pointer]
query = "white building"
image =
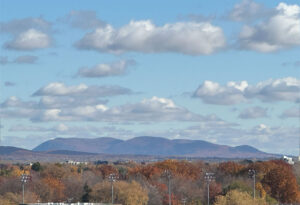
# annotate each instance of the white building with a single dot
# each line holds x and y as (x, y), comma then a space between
(288, 160)
(75, 162)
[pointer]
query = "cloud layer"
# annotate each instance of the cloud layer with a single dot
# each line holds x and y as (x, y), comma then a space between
(284, 89)
(143, 36)
(280, 31)
(253, 113)
(75, 108)
(83, 90)
(293, 112)
(104, 70)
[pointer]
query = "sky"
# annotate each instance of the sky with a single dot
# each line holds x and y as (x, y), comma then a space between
(222, 71)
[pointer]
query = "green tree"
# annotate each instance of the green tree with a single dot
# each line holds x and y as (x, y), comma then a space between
(36, 167)
(86, 195)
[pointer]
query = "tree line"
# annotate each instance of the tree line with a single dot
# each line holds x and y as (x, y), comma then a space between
(141, 184)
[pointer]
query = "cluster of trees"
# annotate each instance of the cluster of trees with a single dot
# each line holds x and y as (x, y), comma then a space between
(141, 184)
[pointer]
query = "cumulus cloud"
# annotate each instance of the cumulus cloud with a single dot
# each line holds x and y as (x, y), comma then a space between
(280, 31)
(293, 112)
(253, 113)
(60, 89)
(104, 70)
(27, 34)
(247, 10)
(83, 20)
(213, 93)
(191, 38)
(29, 40)
(284, 89)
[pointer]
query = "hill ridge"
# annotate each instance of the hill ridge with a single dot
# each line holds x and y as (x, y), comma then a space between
(149, 145)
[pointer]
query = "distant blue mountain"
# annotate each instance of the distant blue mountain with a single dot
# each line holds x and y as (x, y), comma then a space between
(151, 146)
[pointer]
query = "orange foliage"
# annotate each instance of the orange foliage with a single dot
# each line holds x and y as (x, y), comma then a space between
(56, 188)
(177, 168)
(106, 170)
(231, 168)
(281, 183)
(148, 171)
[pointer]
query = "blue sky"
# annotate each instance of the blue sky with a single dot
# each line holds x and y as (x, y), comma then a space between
(222, 71)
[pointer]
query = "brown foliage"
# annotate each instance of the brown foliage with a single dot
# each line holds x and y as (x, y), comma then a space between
(177, 168)
(56, 188)
(281, 183)
(230, 168)
(106, 170)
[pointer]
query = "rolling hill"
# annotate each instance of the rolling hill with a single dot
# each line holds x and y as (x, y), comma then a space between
(156, 146)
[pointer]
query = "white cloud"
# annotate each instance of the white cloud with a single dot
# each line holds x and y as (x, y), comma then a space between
(143, 36)
(213, 93)
(247, 10)
(60, 89)
(27, 34)
(104, 70)
(280, 31)
(253, 113)
(29, 40)
(284, 89)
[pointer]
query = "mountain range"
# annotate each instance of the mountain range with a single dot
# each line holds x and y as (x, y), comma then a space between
(154, 146)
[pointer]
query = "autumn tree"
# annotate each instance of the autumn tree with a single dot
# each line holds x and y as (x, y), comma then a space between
(125, 193)
(55, 189)
(131, 193)
(281, 183)
(236, 197)
(106, 170)
(101, 192)
(230, 168)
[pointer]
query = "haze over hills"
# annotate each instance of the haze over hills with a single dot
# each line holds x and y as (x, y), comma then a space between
(157, 146)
